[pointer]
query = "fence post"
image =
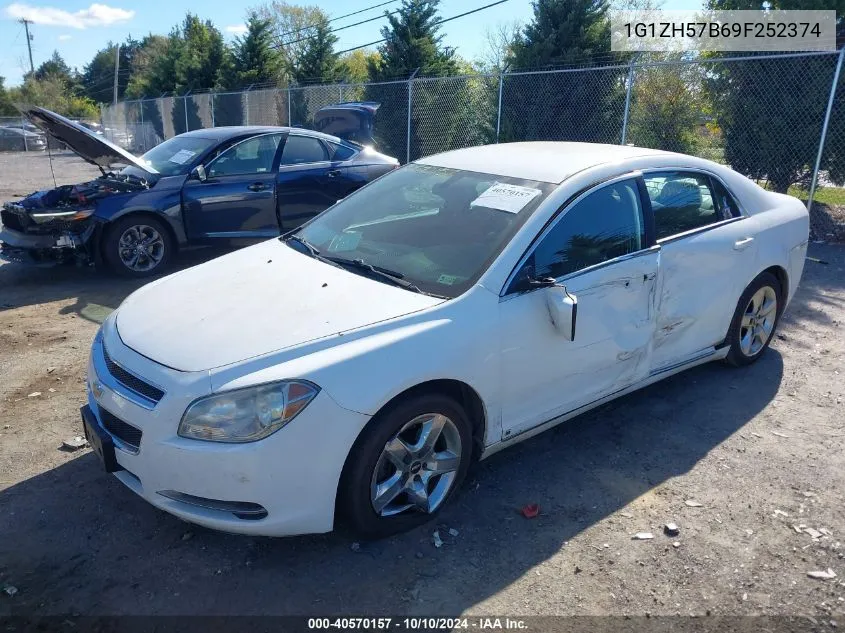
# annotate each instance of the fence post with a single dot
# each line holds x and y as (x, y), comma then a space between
(410, 98)
(499, 108)
(824, 128)
(290, 123)
(340, 93)
(628, 100)
(211, 96)
(142, 130)
(186, 113)
(23, 129)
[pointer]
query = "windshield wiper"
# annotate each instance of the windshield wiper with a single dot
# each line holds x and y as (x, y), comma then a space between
(391, 276)
(312, 250)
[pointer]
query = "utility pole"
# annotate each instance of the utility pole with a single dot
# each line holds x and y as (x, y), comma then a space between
(116, 70)
(26, 24)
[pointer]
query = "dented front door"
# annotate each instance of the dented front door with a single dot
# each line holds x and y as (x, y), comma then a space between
(544, 375)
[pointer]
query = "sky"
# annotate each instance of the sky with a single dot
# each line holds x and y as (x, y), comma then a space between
(77, 28)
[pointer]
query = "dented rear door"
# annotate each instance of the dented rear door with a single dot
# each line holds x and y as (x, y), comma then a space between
(703, 269)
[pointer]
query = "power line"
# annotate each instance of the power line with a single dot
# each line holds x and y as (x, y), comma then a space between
(341, 28)
(340, 17)
(439, 22)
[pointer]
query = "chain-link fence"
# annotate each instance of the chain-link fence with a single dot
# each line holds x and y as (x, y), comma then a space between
(774, 118)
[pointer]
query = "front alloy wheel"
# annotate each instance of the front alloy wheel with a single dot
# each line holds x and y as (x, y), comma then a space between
(137, 246)
(141, 248)
(417, 466)
(405, 466)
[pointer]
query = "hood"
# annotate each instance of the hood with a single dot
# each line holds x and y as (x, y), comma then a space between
(353, 121)
(94, 148)
(258, 300)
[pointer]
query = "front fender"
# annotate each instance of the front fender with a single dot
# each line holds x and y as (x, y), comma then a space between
(363, 371)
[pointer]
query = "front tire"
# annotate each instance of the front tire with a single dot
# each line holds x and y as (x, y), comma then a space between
(137, 246)
(756, 317)
(405, 466)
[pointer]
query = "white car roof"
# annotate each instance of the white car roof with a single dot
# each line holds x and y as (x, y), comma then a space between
(544, 161)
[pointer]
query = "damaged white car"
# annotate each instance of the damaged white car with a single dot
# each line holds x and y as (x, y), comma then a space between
(354, 368)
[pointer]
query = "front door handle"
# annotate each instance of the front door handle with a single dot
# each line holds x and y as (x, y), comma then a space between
(257, 186)
(741, 245)
(333, 173)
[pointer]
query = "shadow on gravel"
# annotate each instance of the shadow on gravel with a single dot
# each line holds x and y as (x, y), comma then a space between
(77, 541)
(97, 292)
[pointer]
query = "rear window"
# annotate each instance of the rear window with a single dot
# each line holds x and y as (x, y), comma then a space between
(341, 152)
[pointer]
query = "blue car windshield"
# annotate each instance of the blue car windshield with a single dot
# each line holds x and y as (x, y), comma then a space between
(176, 156)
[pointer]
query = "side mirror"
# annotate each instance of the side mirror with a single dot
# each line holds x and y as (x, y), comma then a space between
(563, 310)
(198, 172)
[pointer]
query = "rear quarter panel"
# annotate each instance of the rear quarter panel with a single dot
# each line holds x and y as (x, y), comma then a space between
(784, 228)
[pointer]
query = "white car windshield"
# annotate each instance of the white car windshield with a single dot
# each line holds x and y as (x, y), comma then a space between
(435, 228)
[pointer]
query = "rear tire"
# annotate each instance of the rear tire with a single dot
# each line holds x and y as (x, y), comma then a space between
(394, 480)
(755, 320)
(137, 246)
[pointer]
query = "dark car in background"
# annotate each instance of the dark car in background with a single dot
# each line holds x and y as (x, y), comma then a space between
(18, 139)
(227, 184)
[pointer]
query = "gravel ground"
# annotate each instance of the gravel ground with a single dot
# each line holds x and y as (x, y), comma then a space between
(761, 449)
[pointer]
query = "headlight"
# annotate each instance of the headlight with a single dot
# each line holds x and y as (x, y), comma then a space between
(246, 415)
(41, 218)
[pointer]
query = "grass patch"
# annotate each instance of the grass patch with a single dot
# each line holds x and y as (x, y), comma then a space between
(833, 196)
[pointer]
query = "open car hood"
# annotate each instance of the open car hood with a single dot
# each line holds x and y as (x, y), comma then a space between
(352, 121)
(92, 147)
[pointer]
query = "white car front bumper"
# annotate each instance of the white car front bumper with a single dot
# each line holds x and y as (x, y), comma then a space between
(292, 475)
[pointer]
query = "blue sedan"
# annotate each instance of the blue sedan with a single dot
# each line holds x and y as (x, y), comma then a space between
(209, 186)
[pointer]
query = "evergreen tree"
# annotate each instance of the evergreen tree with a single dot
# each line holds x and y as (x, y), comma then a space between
(255, 60)
(55, 67)
(97, 79)
(7, 108)
(413, 42)
(318, 62)
(582, 106)
(770, 111)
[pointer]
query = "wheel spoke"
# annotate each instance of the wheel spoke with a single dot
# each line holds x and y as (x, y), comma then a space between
(387, 491)
(767, 307)
(429, 434)
(418, 495)
(746, 341)
(398, 453)
(443, 462)
(746, 320)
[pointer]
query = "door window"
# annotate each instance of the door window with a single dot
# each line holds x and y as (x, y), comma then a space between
(252, 156)
(682, 201)
(606, 224)
(300, 150)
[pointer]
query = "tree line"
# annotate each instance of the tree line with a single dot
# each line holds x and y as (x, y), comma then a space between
(762, 117)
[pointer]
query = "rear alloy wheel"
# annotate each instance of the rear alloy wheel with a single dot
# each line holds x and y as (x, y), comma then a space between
(138, 247)
(755, 320)
(406, 465)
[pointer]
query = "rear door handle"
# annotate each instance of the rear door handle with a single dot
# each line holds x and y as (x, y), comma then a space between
(741, 245)
(257, 186)
(333, 173)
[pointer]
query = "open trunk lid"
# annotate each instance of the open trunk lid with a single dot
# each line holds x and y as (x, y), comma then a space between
(352, 121)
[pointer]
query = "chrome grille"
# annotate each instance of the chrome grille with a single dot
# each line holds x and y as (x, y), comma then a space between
(126, 433)
(131, 381)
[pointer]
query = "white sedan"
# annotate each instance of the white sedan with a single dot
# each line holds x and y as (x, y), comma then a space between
(354, 368)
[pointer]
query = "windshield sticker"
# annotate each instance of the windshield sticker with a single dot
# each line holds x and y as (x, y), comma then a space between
(504, 197)
(346, 241)
(448, 280)
(182, 156)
